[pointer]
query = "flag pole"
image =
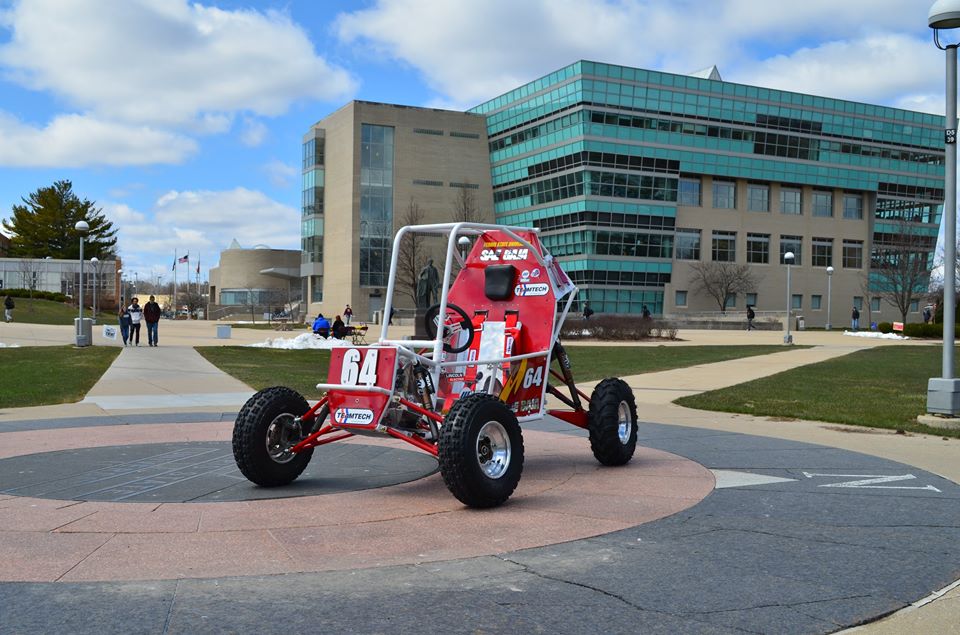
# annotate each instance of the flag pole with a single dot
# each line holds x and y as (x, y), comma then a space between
(175, 310)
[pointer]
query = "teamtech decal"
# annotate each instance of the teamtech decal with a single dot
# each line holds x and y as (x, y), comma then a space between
(353, 416)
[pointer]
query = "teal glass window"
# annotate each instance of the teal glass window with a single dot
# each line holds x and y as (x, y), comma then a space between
(796, 301)
(790, 201)
(724, 194)
(758, 248)
(758, 197)
(680, 298)
(376, 203)
(822, 204)
(690, 192)
(724, 246)
(687, 244)
(853, 206)
(815, 301)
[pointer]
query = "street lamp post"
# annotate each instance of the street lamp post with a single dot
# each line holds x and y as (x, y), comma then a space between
(464, 244)
(943, 393)
(788, 258)
(829, 296)
(82, 228)
(121, 295)
(93, 267)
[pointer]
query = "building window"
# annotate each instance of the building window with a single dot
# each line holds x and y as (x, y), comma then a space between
(858, 302)
(796, 301)
(687, 244)
(751, 299)
(464, 135)
(376, 204)
(914, 306)
(815, 302)
(791, 243)
(758, 197)
(790, 201)
(875, 304)
(724, 246)
(853, 206)
(430, 131)
(724, 194)
(428, 182)
(823, 204)
(316, 288)
(822, 252)
(680, 298)
(730, 301)
(853, 254)
(690, 192)
(469, 186)
(758, 248)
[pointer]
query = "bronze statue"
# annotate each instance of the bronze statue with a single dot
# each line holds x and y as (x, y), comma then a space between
(428, 286)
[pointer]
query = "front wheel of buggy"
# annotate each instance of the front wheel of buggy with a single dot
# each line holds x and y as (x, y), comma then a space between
(481, 451)
(612, 422)
(266, 428)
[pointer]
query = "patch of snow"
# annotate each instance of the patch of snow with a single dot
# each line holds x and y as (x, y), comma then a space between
(877, 335)
(303, 341)
(2, 345)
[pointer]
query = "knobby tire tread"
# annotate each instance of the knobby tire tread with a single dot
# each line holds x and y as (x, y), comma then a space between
(604, 439)
(249, 435)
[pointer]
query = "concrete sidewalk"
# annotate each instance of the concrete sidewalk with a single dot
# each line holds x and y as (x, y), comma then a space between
(174, 377)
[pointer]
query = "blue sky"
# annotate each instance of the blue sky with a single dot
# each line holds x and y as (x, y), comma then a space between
(183, 120)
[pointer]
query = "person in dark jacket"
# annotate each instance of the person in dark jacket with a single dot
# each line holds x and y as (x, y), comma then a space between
(151, 315)
(750, 317)
(124, 318)
(8, 306)
(321, 326)
(339, 329)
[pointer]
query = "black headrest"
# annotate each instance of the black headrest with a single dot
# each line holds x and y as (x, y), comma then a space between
(498, 281)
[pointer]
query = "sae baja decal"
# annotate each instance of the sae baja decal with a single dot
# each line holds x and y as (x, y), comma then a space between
(507, 255)
(353, 416)
(530, 289)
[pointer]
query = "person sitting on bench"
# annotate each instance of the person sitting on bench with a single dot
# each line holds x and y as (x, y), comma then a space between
(339, 329)
(321, 326)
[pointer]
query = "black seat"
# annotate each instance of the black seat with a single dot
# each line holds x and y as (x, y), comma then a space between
(498, 281)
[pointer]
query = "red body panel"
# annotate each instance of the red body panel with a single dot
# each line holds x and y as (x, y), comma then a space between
(360, 366)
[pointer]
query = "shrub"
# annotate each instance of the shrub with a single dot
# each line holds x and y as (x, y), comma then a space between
(616, 328)
(931, 331)
(885, 327)
(42, 295)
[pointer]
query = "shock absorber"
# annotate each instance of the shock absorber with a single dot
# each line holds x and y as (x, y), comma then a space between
(425, 387)
(560, 354)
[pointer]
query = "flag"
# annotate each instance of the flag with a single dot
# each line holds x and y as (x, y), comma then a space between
(184, 259)
(198, 266)
(174, 268)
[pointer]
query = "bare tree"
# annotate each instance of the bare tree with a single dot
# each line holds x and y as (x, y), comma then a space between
(31, 270)
(412, 253)
(868, 295)
(900, 267)
(465, 207)
(721, 279)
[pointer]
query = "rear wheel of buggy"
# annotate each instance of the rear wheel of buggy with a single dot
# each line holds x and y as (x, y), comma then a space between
(266, 428)
(613, 422)
(481, 451)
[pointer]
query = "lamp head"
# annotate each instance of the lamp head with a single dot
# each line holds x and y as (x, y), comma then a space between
(788, 257)
(944, 14)
(82, 226)
(829, 271)
(463, 241)
(94, 260)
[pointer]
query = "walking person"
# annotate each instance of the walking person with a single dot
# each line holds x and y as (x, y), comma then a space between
(347, 315)
(136, 316)
(587, 311)
(124, 318)
(151, 315)
(750, 317)
(855, 319)
(8, 306)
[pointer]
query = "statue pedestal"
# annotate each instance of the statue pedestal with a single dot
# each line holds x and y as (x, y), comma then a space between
(419, 332)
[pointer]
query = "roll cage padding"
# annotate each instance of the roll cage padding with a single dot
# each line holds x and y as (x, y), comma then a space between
(498, 281)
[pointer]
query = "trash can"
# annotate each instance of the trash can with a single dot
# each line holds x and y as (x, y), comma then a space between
(83, 330)
(800, 323)
(223, 331)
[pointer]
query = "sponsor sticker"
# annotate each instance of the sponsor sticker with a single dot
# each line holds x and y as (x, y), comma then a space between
(531, 288)
(353, 416)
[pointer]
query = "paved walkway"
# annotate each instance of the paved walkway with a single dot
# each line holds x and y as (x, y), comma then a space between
(166, 381)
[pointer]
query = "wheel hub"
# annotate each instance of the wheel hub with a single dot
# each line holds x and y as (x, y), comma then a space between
(624, 422)
(282, 434)
(493, 449)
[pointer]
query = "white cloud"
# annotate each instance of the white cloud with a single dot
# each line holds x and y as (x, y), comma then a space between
(85, 140)
(202, 223)
(280, 174)
(469, 52)
(166, 61)
(253, 133)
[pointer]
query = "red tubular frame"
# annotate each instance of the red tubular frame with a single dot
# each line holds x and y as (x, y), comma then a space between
(414, 441)
(575, 417)
(314, 439)
(557, 375)
(420, 410)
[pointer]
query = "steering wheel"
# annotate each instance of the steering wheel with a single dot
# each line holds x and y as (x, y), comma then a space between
(456, 321)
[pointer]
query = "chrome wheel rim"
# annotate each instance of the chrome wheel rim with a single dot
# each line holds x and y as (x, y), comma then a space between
(493, 449)
(282, 434)
(624, 422)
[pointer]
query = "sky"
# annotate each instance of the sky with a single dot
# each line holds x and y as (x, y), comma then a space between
(183, 121)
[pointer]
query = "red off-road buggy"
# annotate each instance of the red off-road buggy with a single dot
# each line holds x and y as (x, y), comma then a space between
(460, 395)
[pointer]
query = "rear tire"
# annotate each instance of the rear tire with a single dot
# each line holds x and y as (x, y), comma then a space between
(264, 432)
(613, 422)
(481, 451)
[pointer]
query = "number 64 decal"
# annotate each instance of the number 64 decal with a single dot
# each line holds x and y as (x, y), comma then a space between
(354, 373)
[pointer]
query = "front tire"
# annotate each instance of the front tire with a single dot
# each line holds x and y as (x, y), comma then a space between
(613, 422)
(265, 430)
(481, 451)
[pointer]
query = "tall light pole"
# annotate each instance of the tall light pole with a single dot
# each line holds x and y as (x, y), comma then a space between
(121, 295)
(829, 296)
(943, 393)
(788, 258)
(82, 228)
(93, 267)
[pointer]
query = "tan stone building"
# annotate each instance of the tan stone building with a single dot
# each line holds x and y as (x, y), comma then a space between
(260, 277)
(357, 192)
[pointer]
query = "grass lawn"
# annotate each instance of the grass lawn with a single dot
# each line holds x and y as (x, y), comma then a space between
(884, 387)
(44, 375)
(38, 311)
(303, 370)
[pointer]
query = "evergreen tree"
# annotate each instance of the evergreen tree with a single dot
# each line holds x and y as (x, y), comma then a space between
(44, 226)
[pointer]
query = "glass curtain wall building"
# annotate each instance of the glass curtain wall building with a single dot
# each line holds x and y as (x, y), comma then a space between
(635, 176)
